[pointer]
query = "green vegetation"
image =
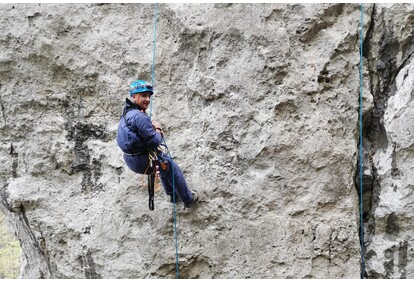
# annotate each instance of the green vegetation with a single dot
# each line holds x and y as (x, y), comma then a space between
(9, 252)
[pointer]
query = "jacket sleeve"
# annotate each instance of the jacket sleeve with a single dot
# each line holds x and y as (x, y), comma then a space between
(146, 131)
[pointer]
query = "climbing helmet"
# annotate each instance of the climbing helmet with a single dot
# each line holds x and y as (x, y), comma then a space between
(140, 86)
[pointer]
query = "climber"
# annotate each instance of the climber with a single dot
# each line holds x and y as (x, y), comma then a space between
(139, 139)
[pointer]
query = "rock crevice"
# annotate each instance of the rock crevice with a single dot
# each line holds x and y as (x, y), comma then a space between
(389, 57)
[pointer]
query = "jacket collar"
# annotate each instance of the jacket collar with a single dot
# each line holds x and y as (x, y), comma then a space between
(129, 105)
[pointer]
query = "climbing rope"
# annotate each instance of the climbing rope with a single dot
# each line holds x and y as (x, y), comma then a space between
(177, 274)
(361, 208)
(153, 55)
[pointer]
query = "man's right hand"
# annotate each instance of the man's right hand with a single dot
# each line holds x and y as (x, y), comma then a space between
(156, 125)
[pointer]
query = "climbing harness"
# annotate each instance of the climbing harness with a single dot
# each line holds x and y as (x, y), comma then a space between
(177, 274)
(361, 208)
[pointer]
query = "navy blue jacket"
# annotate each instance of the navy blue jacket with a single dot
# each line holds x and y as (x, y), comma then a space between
(135, 131)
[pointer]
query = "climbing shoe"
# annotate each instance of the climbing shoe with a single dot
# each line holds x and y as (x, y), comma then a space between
(195, 199)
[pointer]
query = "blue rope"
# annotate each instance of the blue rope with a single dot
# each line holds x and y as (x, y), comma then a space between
(361, 220)
(153, 55)
(177, 273)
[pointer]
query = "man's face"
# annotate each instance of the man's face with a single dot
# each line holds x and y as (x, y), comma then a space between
(142, 99)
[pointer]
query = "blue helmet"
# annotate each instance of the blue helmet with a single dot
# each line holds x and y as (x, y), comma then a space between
(140, 86)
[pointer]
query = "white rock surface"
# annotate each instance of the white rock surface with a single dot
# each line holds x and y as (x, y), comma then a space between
(392, 242)
(389, 144)
(260, 107)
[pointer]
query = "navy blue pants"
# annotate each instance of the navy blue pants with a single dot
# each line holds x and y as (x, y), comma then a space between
(140, 164)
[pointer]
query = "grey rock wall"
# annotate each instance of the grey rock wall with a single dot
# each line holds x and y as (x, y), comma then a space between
(388, 131)
(260, 107)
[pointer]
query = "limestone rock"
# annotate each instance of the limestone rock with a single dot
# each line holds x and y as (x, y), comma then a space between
(259, 103)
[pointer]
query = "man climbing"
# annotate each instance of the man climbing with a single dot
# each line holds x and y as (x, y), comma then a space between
(139, 139)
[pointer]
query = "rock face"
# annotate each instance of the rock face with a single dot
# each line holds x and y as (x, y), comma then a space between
(259, 103)
(389, 130)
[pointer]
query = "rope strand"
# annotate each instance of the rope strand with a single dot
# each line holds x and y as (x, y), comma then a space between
(153, 55)
(177, 273)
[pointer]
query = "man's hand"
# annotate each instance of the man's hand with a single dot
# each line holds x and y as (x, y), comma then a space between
(157, 127)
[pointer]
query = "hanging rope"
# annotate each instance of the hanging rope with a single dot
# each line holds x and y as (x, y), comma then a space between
(361, 205)
(153, 55)
(177, 274)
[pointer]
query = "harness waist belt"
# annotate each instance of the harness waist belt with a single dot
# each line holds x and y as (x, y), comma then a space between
(136, 153)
